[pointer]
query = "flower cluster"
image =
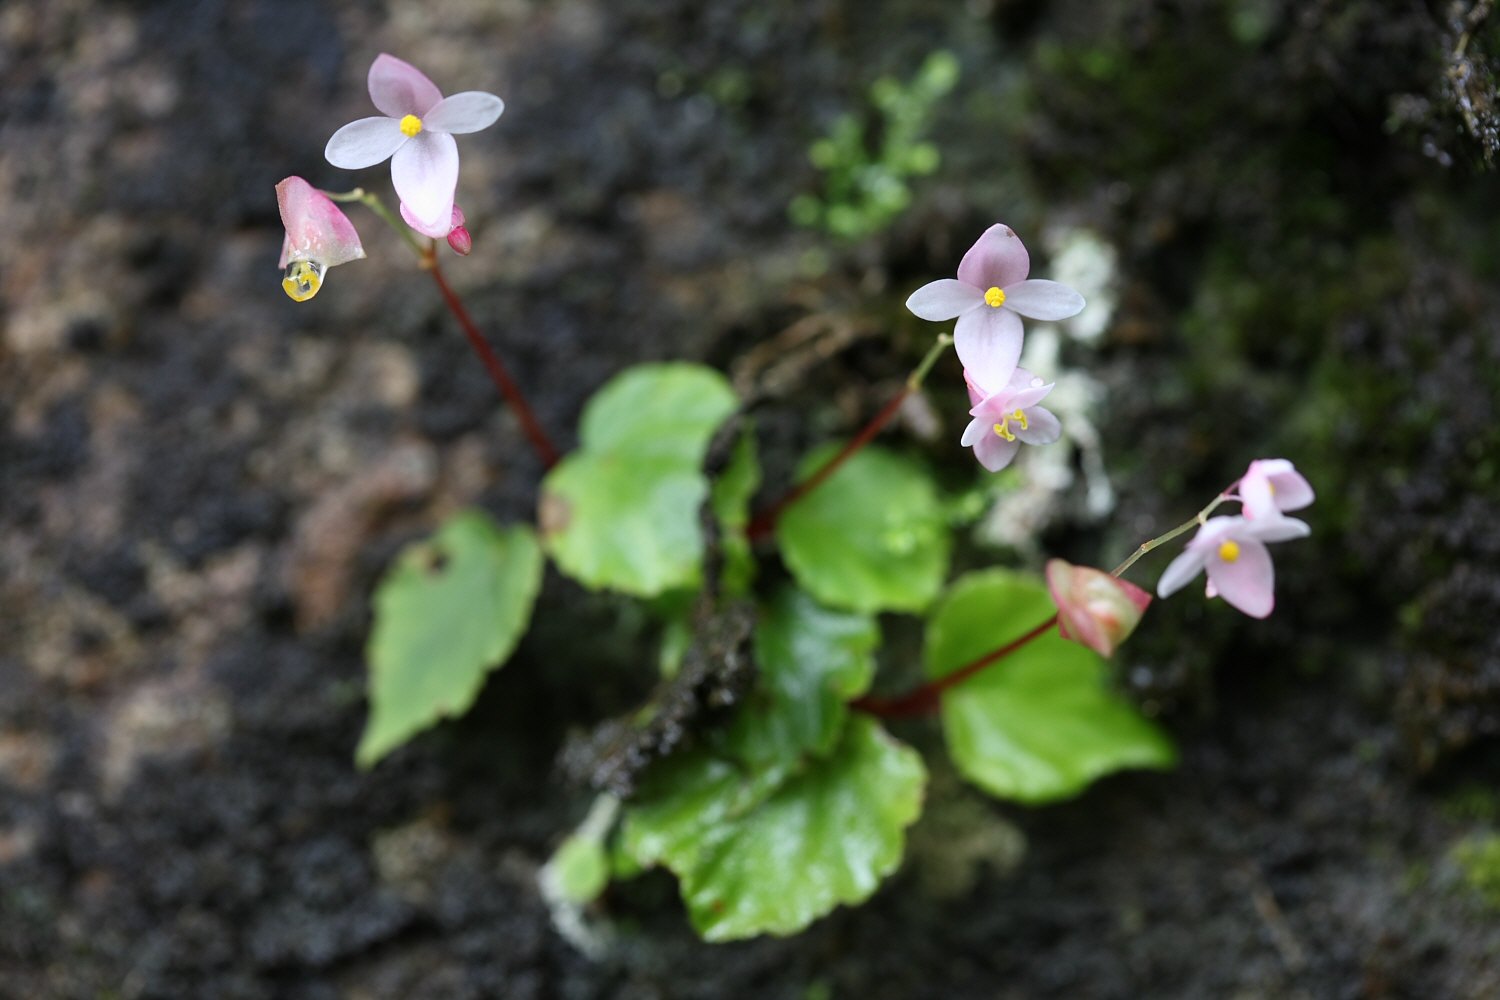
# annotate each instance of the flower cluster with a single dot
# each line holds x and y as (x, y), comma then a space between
(1232, 550)
(415, 132)
(988, 298)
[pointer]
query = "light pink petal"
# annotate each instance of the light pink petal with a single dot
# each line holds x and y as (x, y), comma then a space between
(944, 299)
(977, 392)
(1277, 529)
(425, 173)
(1257, 496)
(998, 259)
(316, 228)
(398, 88)
(1045, 300)
(995, 452)
(1042, 426)
(364, 143)
(461, 113)
(1248, 583)
(1025, 399)
(976, 429)
(988, 342)
(1293, 492)
(1180, 572)
(455, 220)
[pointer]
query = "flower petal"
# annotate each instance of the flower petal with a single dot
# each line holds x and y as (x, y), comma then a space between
(425, 173)
(1277, 529)
(316, 228)
(1042, 426)
(977, 427)
(998, 259)
(1042, 299)
(438, 232)
(995, 452)
(977, 392)
(364, 143)
(1248, 583)
(944, 299)
(988, 342)
(461, 113)
(398, 88)
(1180, 572)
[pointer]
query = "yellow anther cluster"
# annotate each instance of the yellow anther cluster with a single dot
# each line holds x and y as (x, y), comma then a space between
(411, 125)
(1229, 551)
(302, 279)
(994, 298)
(1002, 429)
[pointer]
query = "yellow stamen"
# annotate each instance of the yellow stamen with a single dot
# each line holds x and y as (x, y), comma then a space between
(994, 298)
(1002, 429)
(302, 279)
(411, 125)
(1020, 418)
(1229, 551)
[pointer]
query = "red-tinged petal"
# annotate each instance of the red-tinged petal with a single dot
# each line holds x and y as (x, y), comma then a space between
(1094, 608)
(364, 143)
(461, 113)
(995, 452)
(977, 392)
(998, 259)
(1248, 583)
(1044, 300)
(436, 232)
(316, 228)
(425, 174)
(398, 88)
(988, 342)
(944, 299)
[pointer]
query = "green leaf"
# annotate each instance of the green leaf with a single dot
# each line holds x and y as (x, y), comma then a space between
(732, 493)
(872, 537)
(1042, 723)
(450, 610)
(622, 511)
(579, 869)
(812, 662)
(757, 862)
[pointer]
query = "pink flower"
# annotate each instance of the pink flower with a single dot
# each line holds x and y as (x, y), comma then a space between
(989, 297)
(1273, 485)
(416, 133)
(1006, 419)
(1094, 608)
(318, 236)
(1233, 552)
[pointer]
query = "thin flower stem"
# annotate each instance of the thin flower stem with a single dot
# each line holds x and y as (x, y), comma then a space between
(374, 204)
(540, 443)
(1197, 521)
(765, 522)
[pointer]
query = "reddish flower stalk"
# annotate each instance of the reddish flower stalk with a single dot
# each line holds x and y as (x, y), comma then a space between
(926, 699)
(765, 522)
(540, 443)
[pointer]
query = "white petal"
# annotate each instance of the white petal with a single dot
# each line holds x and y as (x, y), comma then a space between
(998, 259)
(398, 88)
(988, 342)
(1277, 529)
(364, 143)
(944, 299)
(467, 112)
(995, 452)
(425, 173)
(1041, 299)
(1042, 426)
(972, 433)
(1180, 572)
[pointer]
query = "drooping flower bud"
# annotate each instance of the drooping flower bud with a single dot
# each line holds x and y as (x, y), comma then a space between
(318, 236)
(1094, 608)
(458, 237)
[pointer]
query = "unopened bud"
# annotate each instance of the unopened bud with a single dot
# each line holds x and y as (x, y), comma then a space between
(460, 240)
(1094, 608)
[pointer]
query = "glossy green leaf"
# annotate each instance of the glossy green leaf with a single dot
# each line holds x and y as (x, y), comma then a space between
(1042, 723)
(812, 662)
(622, 511)
(732, 493)
(450, 610)
(872, 537)
(757, 856)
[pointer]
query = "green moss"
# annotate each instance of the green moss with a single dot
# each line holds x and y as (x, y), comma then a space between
(1478, 860)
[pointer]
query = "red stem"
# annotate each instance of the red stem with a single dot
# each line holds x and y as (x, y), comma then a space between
(540, 443)
(765, 522)
(924, 700)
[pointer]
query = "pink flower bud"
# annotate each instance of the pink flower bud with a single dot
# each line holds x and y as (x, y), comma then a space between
(460, 240)
(1094, 608)
(318, 236)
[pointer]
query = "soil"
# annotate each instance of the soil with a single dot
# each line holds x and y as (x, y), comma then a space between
(201, 481)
